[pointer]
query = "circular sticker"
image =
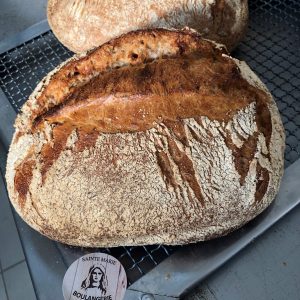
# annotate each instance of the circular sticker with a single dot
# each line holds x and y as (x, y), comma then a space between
(95, 276)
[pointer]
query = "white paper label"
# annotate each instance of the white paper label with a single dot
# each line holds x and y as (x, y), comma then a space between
(95, 276)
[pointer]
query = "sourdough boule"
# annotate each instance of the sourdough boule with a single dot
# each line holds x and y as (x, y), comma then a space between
(157, 136)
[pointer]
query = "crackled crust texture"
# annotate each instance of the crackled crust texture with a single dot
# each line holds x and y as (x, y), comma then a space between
(82, 25)
(155, 137)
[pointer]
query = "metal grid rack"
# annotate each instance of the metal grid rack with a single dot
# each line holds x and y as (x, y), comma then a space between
(271, 48)
(137, 261)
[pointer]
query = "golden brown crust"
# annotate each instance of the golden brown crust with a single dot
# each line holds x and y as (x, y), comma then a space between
(23, 179)
(193, 149)
(135, 98)
(83, 25)
(109, 57)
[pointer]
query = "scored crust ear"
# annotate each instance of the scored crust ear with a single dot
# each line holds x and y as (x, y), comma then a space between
(127, 50)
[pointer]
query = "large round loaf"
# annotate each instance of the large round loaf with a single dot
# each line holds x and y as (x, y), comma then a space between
(82, 25)
(155, 137)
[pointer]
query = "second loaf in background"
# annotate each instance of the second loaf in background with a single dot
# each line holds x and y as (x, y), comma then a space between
(82, 25)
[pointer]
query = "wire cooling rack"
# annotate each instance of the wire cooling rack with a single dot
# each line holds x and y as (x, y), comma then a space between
(271, 48)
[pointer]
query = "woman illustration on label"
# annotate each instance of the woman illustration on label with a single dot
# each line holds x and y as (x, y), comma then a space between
(96, 279)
